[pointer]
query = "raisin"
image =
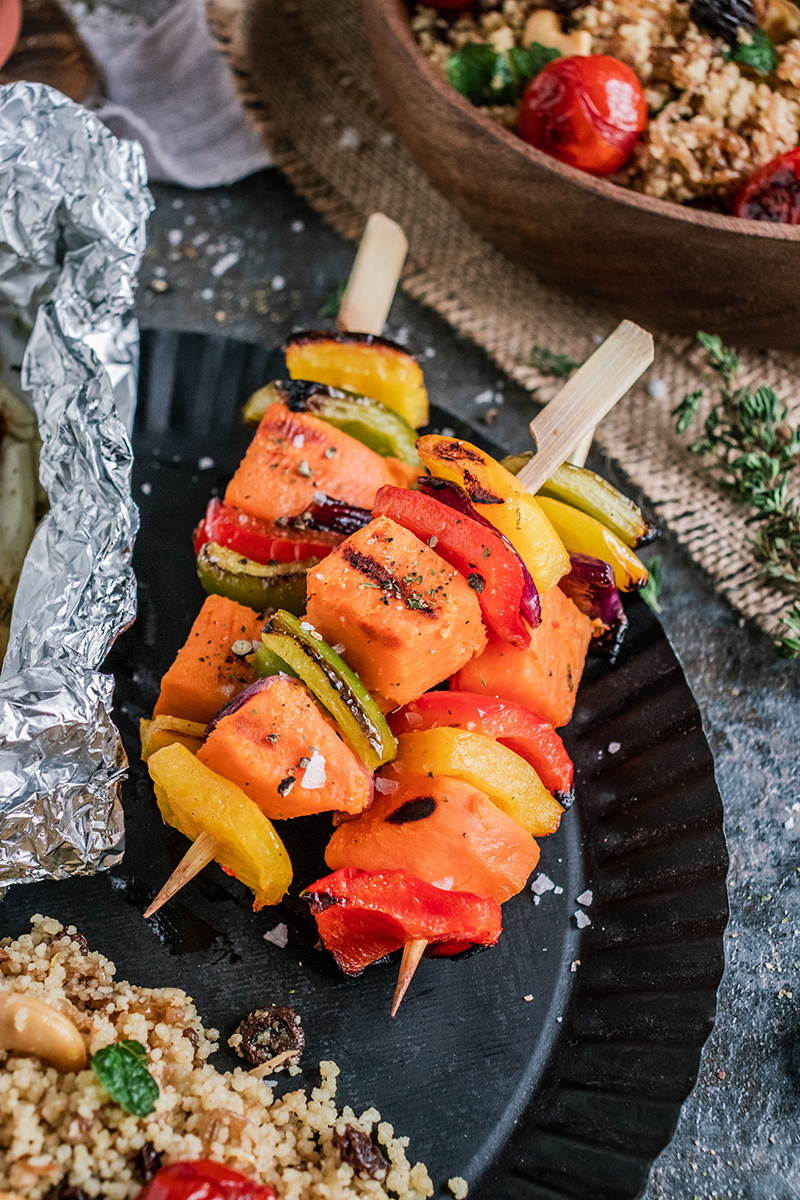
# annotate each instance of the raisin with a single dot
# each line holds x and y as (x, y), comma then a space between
(147, 1162)
(358, 1150)
(83, 945)
(65, 1191)
(723, 18)
(268, 1032)
(191, 1036)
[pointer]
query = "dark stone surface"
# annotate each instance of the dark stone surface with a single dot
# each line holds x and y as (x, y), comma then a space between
(738, 1133)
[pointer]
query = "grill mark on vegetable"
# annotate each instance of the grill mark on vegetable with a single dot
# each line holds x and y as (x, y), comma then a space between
(368, 728)
(378, 576)
(457, 452)
(413, 810)
(477, 493)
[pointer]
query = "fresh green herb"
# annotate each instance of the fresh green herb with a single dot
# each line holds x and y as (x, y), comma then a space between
(759, 54)
(334, 302)
(754, 450)
(529, 61)
(488, 76)
(123, 1071)
(559, 365)
(652, 589)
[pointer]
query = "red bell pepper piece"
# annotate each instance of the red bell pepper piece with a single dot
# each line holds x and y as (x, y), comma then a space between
(263, 541)
(203, 1179)
(521, 730)
(364, 915)
(476, 552)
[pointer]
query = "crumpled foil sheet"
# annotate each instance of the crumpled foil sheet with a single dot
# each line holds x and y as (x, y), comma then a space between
(73, 207)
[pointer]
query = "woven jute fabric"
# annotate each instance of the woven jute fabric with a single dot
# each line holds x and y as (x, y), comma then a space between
(310, 90)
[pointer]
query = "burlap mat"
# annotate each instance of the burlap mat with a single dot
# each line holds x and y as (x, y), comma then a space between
(311, 93)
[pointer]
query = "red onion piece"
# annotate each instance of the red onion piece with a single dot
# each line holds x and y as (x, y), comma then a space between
(241, 699)
(455, 496)
(590, 585)
(336, 516)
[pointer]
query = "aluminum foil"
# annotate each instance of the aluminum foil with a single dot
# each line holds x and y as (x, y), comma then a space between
(72, 233)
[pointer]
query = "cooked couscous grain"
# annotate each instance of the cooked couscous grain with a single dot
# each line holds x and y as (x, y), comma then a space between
(58, 1127)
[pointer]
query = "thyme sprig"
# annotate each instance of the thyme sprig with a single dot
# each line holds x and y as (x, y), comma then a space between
(754, 450)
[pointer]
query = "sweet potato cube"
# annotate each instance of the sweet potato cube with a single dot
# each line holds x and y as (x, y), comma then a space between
(206, 673)
(405, 618)
(543, 678)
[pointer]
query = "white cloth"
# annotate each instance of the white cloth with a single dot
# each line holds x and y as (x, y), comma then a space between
(168, 87)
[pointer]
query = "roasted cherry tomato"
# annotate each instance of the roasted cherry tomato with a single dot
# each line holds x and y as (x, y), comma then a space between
(586, 111)
(203, 1180)
(773, 193)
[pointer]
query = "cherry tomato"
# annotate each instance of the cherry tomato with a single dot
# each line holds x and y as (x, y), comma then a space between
(203, 1180)
(586, 111)
(773, 193)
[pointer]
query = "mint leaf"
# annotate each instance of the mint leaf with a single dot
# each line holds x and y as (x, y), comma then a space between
(123, 1071)
(651, 590)
(528, 62)
(759, 54)
(482, 75)
(558, 365)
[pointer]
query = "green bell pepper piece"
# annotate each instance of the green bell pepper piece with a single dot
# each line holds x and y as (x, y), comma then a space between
(223, 572)
(595, 496)
(368, 421)
(339, 690)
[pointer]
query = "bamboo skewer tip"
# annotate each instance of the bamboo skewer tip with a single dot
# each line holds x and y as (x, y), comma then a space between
(199, 855)
(412, 953)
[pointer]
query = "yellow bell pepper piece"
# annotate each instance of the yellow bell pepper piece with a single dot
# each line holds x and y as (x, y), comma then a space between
(363, 363)
(499, 497)
(508, 780)
(582, 534)
(195, 800)
(163, 731)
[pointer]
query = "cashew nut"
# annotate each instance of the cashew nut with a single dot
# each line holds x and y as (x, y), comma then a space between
(781, 21)
(544, 27)
(29, 1025)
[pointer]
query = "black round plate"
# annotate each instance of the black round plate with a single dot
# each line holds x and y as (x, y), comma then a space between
(551, 1066)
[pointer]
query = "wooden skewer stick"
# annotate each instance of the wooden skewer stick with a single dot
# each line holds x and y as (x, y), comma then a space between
(199, 855)
(374, 277)
(412, 953)
(582, 403)
(568, 420)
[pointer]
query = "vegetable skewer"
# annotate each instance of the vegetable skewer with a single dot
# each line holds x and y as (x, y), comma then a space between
(365, 305)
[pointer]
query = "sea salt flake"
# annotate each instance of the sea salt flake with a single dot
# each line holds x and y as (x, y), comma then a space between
(789, 824)
(278, 283)
(558, 891)
(385, 786)
(350, 139)
(205, 463)
(429, 352)
(224, 264)
(542, 884)
(298, 226)
(485, 397)
(658, 389)
(581, 919)
(279, 936)
(147, 489)
(537, 899)
(586, 897)
(614, 747)
(175, 237)
(527, 998)
(573, 966)
(207, 294)
(314, 776)
(444, 885)
(298, 441)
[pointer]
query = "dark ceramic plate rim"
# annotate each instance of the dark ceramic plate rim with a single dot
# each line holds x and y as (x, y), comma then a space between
(603, 187)
(635, 1016)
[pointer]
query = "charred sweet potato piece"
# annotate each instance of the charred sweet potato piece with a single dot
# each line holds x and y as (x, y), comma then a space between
(404, 617)
(294, 455)
(543, 678)
(206, 674)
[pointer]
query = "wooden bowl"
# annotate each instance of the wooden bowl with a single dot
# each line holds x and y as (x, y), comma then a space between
(659, 263)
